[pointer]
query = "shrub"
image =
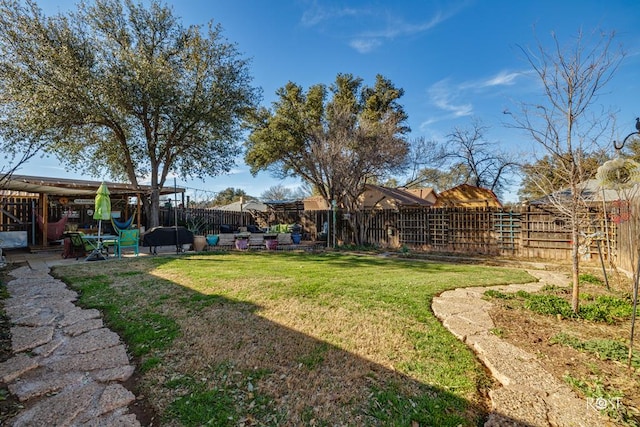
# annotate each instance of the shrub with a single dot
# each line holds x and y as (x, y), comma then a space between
(492, 293)
(549, 304)
(607, 309)
(589, 278)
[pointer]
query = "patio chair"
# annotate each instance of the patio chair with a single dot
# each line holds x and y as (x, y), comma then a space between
(74, 246)
(128, 239)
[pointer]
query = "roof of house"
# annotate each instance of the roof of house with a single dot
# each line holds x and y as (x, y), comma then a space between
(74, 187)
(466, 195)
(400, 196)
(315, 203)
(251, 205)
(591, 191)
(423, 192)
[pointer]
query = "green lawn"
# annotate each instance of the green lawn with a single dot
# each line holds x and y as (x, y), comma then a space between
(292, 339)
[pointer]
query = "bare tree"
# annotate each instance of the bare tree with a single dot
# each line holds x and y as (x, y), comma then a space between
(280, 192)
(465, 157)
(15, 159)
(484, 163)
(566, 125)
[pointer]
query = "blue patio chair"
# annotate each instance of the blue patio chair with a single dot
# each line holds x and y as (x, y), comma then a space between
(128, 239)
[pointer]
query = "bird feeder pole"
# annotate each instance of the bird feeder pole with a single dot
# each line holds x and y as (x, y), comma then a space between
(636, 275)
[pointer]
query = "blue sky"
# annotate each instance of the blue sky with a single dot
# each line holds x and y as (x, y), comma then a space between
(456, 60)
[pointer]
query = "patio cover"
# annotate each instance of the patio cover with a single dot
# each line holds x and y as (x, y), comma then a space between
(45, 187)
(72, 187)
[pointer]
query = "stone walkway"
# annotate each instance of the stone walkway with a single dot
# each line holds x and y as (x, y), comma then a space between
(529, 393)
(67, 368)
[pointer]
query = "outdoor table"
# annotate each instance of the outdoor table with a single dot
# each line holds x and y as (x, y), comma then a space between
(97, 243)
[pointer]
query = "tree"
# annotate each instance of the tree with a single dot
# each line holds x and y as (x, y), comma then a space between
(566, 126)
(465, 157)
(539, 178)
(484, 164)
(336, 143)
(121, 90)
(15, 159)
(230, 195)
(439, 179)
(280, 192)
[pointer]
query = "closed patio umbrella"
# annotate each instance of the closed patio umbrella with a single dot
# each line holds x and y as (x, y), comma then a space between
(101, 211)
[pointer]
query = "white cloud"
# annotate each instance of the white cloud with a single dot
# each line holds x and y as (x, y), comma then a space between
(447, 98)
(454, 100)
(381, 25)
(503, 78)
(365, 45)
(397, 28)
(317, 15)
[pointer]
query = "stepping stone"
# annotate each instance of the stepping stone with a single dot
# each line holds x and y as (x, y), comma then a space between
(39, 385)
(115, 396)
(95, 339)
(100, 359)
(82, 327)
(41, 318)
(26, 338)
(120, 373)
(78, 315)
(61, 409)
(47, 349)
(17, 366)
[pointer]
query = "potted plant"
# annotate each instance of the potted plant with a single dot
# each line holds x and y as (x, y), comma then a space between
(242, 241)
(271, 238)
(197, 226)
(296, 234)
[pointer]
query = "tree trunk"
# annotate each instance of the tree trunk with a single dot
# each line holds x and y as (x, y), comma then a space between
(154, 208)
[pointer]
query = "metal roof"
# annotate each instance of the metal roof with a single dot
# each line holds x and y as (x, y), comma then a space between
(590, 191)
(75, 187)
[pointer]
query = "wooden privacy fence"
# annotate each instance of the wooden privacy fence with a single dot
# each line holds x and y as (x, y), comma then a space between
(628, 228)
(212, 220)
(524, 231)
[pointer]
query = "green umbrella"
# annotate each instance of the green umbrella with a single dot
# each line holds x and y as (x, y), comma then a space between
(102, 211)
(103, 203)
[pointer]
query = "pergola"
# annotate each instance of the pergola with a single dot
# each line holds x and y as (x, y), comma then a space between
(66, 190)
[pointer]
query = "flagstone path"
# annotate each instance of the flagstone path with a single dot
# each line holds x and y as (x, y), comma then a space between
(67, 368)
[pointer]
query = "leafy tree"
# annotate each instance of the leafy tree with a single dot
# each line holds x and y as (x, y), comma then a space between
(121, 90)
(566, 125)
(230, 195)
(336, 138)
(439, 179)
(539, 178)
